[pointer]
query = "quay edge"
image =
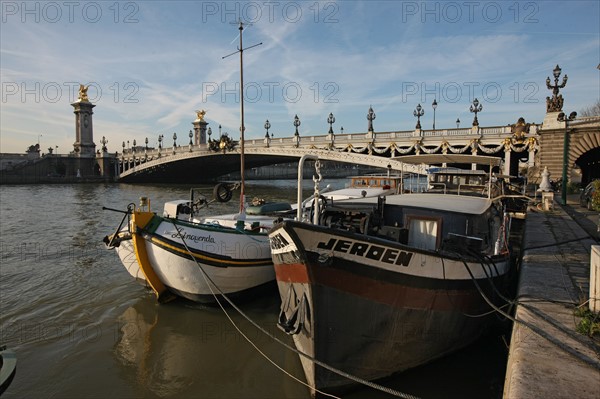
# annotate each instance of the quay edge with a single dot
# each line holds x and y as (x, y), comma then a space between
(547, 356)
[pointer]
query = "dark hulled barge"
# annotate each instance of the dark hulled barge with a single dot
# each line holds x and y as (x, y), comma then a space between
(381, 285)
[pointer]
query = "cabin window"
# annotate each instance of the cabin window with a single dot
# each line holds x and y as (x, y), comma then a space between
(424, 232)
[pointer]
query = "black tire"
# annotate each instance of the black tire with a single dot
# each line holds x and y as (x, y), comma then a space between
(222, 193)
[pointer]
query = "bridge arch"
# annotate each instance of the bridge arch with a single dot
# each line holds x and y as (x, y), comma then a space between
(585, 151)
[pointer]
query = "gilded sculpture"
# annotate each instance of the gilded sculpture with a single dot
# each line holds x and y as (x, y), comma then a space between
(83, 93)
(519, 130)
(200, 114)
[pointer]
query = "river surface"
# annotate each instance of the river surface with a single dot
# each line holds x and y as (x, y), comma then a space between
(83, 328)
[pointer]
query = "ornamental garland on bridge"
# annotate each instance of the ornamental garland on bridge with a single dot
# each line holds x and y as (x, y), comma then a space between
(351, 148)
(418, 147)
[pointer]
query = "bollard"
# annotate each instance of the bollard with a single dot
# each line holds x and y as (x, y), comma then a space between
(595, 279)
(547, 200)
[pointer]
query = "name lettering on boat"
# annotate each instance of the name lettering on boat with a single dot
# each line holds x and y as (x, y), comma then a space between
(192, 237)
(375, 252)
(278, 242)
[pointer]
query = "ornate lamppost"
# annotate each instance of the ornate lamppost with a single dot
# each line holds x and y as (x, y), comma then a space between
(297, 134)
(267, 138)
(160, 139)
(563, 118)
(434, 105)
(342, 130)
(146, 148)
(103, 142)
(331, 121)
(190, 144)
(371, 117)
(457, 123)
(133, 151)
(475, 108)
(418, 113)
(174, 142)
(123, 157)
(555, 103)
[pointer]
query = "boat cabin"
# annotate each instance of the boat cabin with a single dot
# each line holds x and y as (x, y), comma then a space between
(375, 181)
(457, 181)
(178, 209)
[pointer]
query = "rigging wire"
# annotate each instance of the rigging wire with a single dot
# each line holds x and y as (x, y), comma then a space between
(359, 380)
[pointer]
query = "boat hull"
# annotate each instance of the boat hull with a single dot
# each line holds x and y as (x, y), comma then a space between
(208, 275)
(198, 261)
(126, 254)
(369, 317)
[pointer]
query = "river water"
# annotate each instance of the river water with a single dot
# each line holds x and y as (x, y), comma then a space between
(82, 328)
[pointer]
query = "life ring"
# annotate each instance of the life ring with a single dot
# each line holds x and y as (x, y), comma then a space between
(222, 192)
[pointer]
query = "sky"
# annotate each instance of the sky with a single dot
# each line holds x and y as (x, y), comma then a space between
(151, 64)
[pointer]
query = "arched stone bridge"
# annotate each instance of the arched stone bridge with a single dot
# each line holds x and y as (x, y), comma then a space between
(538, 145)
(385, 150)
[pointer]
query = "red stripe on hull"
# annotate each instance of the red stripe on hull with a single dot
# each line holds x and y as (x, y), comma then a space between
(395, 295)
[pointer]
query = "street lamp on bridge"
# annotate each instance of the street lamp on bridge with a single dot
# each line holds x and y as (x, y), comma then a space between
(434, 105)
(267, 138)
(555, 103)
(475, 108)
(418, 113)
(371, 117)
(331, 121)
(457, 123)
(296, 134)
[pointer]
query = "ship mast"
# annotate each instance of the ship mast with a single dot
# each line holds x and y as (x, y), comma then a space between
(242, 126)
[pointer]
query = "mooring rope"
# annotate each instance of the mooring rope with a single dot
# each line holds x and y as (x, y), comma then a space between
(573, 352)
(359, 380)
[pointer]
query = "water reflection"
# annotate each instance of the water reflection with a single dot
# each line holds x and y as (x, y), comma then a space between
(186, 350)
